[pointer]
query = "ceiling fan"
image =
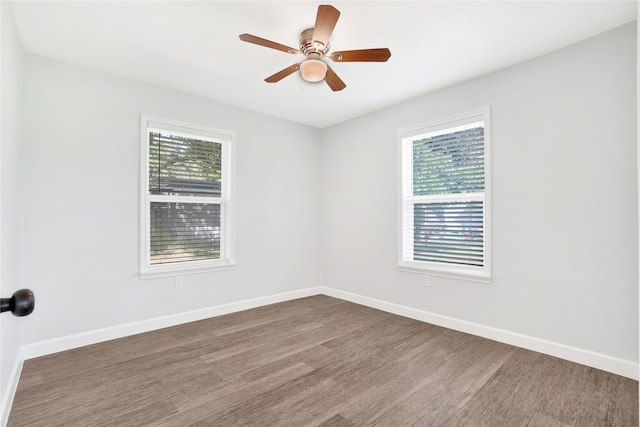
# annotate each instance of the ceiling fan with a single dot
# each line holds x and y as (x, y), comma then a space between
(314, 45)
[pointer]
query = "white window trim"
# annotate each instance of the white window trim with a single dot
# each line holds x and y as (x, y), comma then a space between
(227, 250)
(462, 272)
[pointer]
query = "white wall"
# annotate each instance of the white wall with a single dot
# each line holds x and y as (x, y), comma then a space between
(565, 200)
(81, 189)
(10, 214)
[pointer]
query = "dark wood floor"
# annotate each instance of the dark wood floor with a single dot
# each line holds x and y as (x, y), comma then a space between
(315, 361)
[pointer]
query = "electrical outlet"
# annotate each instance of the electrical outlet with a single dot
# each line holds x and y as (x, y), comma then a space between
(427, 281)
(177, 281)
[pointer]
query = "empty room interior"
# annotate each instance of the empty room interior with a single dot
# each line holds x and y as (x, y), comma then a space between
(319, 214)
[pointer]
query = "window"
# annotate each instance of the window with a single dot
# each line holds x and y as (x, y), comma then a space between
(186, 213)
(445, 204)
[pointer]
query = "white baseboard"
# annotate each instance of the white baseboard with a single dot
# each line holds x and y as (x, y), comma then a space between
(625, 368)
(12, 387)
(42, 348)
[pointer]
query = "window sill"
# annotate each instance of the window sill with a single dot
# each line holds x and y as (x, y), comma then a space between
(470, 276)
(171, 271)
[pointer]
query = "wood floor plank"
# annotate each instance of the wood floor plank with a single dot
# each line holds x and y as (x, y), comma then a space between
(316, 361)
(454, 367)
(337, 421)
(220, 400)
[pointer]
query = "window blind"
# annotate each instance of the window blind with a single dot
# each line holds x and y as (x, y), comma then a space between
(182, 232)
(449, 163)
(184, 166)
(449, 233)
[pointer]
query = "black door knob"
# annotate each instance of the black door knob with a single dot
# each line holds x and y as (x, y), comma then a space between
(20, 304)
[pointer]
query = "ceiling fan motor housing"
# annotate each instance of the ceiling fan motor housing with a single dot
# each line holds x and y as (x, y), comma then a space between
(311, 48)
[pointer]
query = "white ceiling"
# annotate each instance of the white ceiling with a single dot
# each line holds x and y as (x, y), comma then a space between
(194, 46)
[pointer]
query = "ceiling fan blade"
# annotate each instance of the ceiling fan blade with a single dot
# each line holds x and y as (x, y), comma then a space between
(361, 55)
(267, 43)
(326, 20)
(333, 80)
(282, 73)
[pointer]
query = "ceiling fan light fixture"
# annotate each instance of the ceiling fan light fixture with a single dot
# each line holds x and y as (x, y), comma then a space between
(313, 70)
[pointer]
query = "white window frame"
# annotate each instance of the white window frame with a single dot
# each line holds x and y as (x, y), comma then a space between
(227, 140)
(406, 199)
